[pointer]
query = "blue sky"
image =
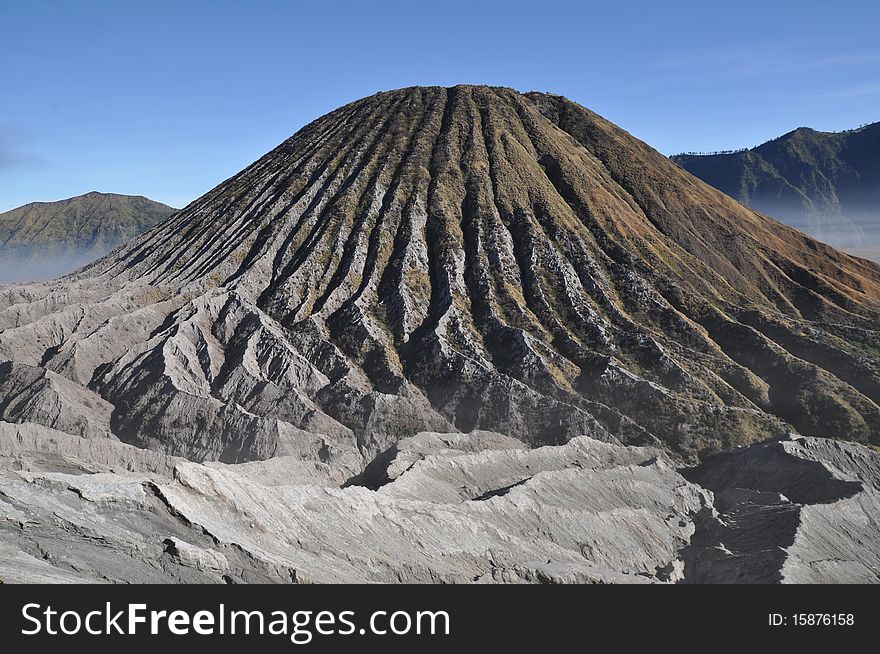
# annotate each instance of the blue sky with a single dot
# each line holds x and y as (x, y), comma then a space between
(167, 99)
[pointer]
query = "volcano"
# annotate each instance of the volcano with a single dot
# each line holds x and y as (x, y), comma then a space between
(452, 259)
(448, 334)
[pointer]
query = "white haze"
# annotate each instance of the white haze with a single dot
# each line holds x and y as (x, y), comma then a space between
(40, 266)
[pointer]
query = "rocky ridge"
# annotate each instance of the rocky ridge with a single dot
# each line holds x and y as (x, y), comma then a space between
(459, 508)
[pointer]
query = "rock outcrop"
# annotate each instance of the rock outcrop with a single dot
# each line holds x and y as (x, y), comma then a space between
(803, 510)
(467, 508)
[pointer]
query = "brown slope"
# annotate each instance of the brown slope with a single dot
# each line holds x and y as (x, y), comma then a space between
(709, 225)
(471, 257)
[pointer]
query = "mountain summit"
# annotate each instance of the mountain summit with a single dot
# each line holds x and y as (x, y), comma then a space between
(451, 259)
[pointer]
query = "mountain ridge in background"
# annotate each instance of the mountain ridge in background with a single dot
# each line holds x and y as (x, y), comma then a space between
(824, 183)
(41, 240)
(448, 315)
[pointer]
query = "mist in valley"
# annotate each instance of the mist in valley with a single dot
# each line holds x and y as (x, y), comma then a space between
(40, 265)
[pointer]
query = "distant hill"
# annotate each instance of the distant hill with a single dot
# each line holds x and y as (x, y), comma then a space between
(826, 184)
(42, 240)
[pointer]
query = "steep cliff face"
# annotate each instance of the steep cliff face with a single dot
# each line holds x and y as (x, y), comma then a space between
(444, 260)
